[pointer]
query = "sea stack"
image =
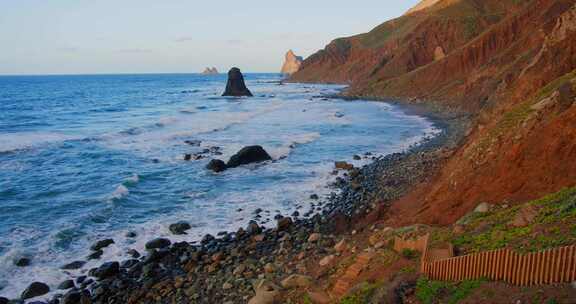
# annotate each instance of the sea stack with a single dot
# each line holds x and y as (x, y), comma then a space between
(291, 64)
(210, 71)
(236, 86)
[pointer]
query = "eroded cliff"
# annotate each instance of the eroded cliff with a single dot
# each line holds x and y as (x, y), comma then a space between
(507, 63)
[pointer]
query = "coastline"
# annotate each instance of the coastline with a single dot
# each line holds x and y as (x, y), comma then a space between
(170, 269)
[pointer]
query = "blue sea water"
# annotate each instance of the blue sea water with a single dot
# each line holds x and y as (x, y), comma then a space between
(89, 157)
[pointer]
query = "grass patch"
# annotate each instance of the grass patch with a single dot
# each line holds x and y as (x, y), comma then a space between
(555, 225)
(361, 296)
(429, 292)
(409, 253)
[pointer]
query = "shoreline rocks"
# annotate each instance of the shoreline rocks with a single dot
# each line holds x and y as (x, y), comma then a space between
(217, 165)
(248, 155)
(179, 228)
(236, 86)
(221, 269)
(101, 244)
(35, 289)
(158, 243)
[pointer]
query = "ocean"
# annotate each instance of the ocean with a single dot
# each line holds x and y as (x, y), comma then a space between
(83, 158)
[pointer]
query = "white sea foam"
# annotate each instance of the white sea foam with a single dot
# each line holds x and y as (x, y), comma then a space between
(120, 192)
(134, 179)
(291, 142)
(208, 212)
(23, 140)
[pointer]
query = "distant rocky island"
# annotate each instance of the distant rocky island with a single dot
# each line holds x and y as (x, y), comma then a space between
(210, 71)
(292, 63)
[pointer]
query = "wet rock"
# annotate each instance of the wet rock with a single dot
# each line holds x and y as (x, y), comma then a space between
(107, 270)
(101, 244)
(133, 253)
(195, 143)
(207, 239)
(187, 157)
(284, 223)
(314, 196)
(95, 255)
(129, 263)
(158, 243)
(236, 86)
(179, 228)
(72, 297)
(357, 157)
(156, 256)
(343, 165)
(253, 228)
(22, 262)
(131, 234)
(81, 279)
(74, 265)
(248, 155)
(66, 284)
(216, 165)
(3, 300)
(35, 289)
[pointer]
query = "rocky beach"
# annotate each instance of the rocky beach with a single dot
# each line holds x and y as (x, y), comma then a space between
(255, 264)
(428, 160)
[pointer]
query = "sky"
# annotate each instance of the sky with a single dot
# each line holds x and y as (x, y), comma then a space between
(175, 36)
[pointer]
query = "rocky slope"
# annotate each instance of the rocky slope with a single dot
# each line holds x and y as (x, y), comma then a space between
(508, 64)
(291, 64)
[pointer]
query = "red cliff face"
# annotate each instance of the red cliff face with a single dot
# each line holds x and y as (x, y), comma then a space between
(508, 63)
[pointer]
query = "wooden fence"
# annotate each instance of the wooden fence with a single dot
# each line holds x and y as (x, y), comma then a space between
(556, 265)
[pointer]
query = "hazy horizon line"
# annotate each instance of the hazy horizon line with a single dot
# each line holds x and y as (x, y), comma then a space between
(128, 73)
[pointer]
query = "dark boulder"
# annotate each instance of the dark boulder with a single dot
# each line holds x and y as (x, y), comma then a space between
(74, 265)
(22, 262)
(236, 86)
(95, 255)
(129, 263)
(158, 243)
(216, 165)
(284, 223)
(35, 289)
(102, 244)
(72, 297)
(107, 270)
(66, 284)
(133, 253)
(179, 228)
(253, 228)
(4, 300)
(248, 155)
(156, 255)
